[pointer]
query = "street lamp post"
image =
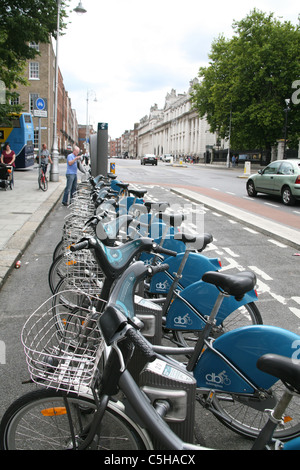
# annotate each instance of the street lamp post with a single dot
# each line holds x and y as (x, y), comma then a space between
(287, 109)
(228, 153)
(54, 172)
(87, 130)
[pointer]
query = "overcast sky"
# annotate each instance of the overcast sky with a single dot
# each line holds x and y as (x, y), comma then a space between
(129, 54)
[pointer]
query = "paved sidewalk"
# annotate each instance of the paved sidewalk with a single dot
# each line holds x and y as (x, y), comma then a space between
(22, 212)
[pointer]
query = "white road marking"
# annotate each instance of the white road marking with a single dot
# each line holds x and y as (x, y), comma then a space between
(250, 230)
(231, 253)
(260, 273)
(275, 242)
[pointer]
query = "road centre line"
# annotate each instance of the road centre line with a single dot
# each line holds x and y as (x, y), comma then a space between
(272, 205)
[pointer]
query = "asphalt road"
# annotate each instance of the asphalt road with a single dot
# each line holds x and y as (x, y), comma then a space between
(277, 269)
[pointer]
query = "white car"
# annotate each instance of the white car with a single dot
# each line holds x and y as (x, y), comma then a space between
(167, 158)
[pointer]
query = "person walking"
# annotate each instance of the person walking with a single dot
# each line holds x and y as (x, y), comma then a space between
(71, 175)
(8, 157)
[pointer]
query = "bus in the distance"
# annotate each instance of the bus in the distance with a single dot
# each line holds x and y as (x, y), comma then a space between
(20, 135)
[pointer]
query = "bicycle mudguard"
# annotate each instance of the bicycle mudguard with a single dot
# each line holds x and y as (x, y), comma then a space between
(242, 348)
(170, 244)
(196, 302)
(126, 203)
(195, 266)
(293, 444)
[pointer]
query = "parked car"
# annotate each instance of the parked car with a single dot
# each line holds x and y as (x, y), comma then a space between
(280, 178)
(149, 159)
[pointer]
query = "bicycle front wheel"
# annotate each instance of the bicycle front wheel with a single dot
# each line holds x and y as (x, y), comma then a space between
(43, 183)
(52, 420)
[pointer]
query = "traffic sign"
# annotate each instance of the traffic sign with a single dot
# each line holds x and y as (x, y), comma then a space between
(40, 104)
(40, 108)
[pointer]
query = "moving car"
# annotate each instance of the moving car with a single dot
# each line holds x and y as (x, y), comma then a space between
(149, 159)
(280, 178)
(167, 158)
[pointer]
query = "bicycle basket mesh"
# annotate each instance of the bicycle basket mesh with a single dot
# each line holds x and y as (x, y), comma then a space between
(83, 272)
(62, 346)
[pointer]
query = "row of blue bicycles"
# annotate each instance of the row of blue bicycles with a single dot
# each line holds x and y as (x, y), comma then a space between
(140, 329)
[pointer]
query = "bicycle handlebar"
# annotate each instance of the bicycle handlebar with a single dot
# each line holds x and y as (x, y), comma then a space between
(80, 246)
(160, 249)
(141, 343)
(158, 268)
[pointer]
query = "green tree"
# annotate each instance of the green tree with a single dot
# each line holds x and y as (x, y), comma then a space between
(22, 22)
(248, 78)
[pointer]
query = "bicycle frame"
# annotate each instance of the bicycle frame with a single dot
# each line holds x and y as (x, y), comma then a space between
(183, 315)
(229, 363)
(117, 377)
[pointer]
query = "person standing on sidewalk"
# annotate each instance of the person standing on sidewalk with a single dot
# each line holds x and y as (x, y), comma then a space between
(71, 175)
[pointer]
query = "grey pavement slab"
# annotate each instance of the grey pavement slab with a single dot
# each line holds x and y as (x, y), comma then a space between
(22, 211)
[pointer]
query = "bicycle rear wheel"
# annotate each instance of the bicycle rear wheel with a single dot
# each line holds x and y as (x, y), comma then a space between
(246, 315)
(249, 417)
(52, 420)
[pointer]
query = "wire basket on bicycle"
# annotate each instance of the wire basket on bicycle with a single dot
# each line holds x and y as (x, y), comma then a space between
(62, 347)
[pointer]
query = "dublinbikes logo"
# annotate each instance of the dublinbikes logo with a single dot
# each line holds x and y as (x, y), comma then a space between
(162, 286)
(183, 320)
(296, 353)
(217, 380)
(2, 353)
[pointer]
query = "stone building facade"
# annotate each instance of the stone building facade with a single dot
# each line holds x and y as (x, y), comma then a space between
(177, 130)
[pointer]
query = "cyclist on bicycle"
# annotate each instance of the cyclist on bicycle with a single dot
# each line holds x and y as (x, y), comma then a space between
(45, 158)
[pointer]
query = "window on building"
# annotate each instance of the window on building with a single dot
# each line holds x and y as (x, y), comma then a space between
(32, 99)
(14, 101)
(36, 140)
(34, 45)
(34, 70)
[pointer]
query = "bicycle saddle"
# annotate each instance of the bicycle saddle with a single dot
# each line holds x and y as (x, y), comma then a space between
(201, 241)
(137, 192)
(174, 220)
(284, 368)
(122, 185)
(233, 284)
(158, 207)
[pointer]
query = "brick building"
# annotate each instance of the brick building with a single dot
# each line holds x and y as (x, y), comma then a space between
(40, 73)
